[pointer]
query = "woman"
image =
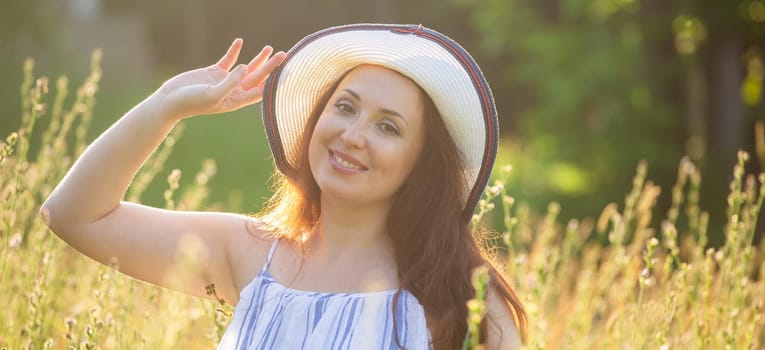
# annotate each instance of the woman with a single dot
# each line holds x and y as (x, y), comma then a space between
(384, 135)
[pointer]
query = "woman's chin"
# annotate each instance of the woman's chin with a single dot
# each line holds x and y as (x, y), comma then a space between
(345, 195)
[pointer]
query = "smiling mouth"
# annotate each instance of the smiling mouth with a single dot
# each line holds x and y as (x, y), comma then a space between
(347, 163)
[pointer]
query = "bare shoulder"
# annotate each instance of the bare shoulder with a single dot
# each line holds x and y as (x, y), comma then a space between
(244, 243)
(502, 332)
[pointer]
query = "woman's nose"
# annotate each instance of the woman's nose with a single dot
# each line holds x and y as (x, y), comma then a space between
(353, 135)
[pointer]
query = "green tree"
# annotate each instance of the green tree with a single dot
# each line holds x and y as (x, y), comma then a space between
(585, 84)
(592, 87)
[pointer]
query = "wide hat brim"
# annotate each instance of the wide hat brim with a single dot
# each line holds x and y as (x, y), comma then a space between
(440, 66)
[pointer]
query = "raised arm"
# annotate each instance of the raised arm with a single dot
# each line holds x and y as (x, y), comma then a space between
(86, 208)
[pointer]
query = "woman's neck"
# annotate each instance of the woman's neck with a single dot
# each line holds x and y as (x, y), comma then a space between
(343, 228)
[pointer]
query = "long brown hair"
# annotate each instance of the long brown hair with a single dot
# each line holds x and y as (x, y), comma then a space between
(434, 246)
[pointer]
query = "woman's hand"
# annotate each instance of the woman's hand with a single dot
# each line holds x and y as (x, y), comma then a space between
(217, 88)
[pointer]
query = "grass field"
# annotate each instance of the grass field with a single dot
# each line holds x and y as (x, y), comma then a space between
(612, 281)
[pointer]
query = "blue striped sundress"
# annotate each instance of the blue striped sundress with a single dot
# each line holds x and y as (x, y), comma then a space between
(272, 316)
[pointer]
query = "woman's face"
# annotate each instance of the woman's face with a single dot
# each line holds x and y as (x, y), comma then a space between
(368, 137)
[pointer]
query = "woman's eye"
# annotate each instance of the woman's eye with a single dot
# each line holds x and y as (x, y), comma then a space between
(389, 129)
(345, 106)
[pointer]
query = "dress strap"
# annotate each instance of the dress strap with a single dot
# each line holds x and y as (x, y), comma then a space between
(270, 255)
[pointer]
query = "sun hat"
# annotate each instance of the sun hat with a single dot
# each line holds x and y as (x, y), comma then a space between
(440, 66)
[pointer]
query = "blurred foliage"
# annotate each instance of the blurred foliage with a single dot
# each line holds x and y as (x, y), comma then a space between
(587, 97)
(590, 88)
(24, 25)
(24, 17)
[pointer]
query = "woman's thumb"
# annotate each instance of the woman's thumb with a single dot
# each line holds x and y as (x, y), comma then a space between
(228, 84)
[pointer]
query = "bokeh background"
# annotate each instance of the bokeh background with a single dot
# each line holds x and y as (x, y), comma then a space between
(585, 88)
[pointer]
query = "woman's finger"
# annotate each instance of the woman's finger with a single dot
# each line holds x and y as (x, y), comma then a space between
(260, 73)
(221, 90)
(260, 58)
(248, 97)
(229, 59)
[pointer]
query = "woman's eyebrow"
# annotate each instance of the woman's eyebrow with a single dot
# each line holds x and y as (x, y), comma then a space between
(353, 93)
(382, 110)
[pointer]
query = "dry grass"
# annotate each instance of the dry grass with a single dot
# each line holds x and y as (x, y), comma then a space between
(614, 282)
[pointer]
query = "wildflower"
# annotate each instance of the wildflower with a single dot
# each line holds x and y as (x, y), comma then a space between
(15, 240)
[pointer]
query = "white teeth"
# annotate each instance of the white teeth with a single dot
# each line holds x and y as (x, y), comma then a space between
(345, 163)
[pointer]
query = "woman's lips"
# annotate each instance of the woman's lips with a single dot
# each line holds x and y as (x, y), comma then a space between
(345, 162)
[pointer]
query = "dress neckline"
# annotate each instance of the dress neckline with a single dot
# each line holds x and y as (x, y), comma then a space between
(270, 278)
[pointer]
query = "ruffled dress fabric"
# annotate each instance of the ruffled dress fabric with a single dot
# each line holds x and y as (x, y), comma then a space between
(270, 315)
